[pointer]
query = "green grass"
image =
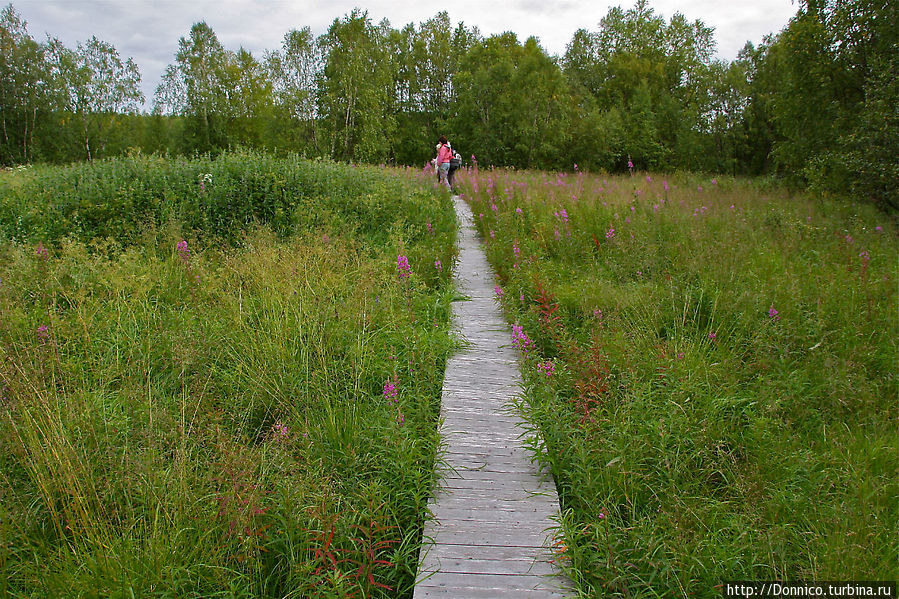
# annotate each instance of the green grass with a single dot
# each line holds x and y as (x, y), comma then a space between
(212, 422)
(723, 405)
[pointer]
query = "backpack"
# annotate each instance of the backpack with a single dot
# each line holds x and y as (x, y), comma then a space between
(456, 160)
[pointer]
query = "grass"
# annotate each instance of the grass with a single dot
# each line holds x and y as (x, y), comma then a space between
(192, 399)
(721, 396)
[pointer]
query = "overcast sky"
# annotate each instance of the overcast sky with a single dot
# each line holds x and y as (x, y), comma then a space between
(148, 30)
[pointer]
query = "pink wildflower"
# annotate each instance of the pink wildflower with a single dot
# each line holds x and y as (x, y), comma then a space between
(183, 252)
(279, 431)
(390, 390)
(402, 266)
(773, 314)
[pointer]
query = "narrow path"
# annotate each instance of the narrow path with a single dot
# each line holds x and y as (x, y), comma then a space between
(494, 509)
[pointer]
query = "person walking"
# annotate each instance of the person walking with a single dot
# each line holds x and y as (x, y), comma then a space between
(444, 155)
(455, 163)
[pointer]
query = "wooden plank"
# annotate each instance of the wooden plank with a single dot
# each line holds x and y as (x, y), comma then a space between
(520, 582)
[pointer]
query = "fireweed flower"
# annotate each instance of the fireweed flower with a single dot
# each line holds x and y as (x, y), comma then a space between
(521, 340)
(438, 265)
(548, 368)
(279, 431)
(402, 266)
(43, 333)
(610, 233)
(518, 211)
(773, 314)
(712, 336)
(41, 251)
(183, 252)
(430, 228)
(516, 250)
(390, 390)
(498, 291)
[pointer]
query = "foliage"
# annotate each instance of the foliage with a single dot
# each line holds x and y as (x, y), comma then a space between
(216, 198)
(713, 375)
(184, 418)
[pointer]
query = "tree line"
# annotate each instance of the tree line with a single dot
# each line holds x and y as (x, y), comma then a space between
(815, 104)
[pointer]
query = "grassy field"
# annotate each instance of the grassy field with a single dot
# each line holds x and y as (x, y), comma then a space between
(218, 377)
(712, 365)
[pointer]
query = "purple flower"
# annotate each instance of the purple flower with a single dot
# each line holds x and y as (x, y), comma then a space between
(438, 265)
(516, 250)
(43, 333)
(712, 336)
(498, 291)
(773, 314)
(610, 233)
(279, 431)
(183, 251)
(390, 390)
(518, 211)
(520, 338)
(41, 251)
(547, 367)
(402, 266)
(878, 228)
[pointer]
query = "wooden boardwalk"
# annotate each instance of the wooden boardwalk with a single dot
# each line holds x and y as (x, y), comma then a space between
(490, 535)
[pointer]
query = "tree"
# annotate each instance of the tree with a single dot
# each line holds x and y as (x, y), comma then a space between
(24, 88)
(654, 74)
(353, 98)
(511, 103)
(294, 72)
(194, 86)
(98, 88)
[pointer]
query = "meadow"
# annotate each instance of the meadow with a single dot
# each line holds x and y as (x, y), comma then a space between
(711, 364)
(219, 377)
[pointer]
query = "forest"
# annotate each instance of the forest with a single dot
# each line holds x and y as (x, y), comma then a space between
(815, 105)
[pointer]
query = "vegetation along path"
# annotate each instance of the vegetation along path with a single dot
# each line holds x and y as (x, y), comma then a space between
(491, 532)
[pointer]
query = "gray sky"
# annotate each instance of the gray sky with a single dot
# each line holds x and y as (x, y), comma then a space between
(148, 30)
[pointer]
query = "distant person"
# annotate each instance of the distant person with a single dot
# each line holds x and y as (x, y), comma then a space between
(455, 163)
(444, 156)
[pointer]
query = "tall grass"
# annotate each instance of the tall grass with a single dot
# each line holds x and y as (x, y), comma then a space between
(714, 375)
(185, 417)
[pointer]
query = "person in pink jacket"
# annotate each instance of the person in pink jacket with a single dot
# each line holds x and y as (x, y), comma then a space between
(444, 155)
